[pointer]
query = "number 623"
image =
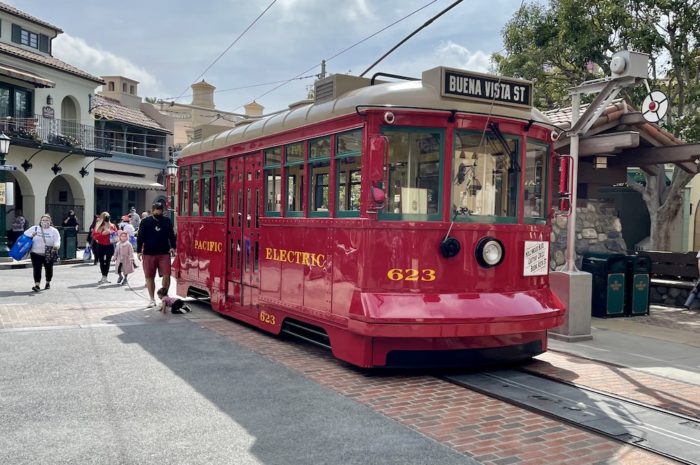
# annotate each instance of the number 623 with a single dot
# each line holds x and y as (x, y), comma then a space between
(411, 274)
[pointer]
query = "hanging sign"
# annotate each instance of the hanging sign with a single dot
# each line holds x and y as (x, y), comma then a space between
(485, 87)
(47, 112)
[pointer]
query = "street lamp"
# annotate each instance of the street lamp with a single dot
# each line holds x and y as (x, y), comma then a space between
(4, 150)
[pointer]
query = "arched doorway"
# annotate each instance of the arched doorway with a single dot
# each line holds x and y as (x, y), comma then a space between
(20, 199)
(70, 117)
(65, 193)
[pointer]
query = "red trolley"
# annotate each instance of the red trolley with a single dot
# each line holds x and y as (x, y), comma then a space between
(400, 223)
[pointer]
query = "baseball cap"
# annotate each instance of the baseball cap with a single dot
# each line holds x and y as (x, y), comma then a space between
(157, 206)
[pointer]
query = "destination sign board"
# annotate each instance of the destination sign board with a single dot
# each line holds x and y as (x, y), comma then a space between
(487, 88)
(8, 168)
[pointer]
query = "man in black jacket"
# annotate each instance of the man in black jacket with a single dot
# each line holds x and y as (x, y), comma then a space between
(155, 246)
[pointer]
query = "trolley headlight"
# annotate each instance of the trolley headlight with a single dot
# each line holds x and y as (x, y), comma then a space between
(489, 252)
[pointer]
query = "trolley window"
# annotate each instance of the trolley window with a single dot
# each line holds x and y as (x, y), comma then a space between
(294, 167)
(415, 174)
(349, 173)
(485, 177)
(536, 156)
(319, 174)
(207, 173)
(194, 189)
(184, 190)
(273, 181)
(219, 193)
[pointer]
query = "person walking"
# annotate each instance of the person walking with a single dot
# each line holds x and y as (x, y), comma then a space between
(123, 258)
(134, 218)
(91, 238)
(45, 238)
(18, 227)
(155, 245)
(104, 248)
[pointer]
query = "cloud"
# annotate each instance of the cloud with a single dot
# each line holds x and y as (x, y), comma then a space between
(77, 52)
(449, 54)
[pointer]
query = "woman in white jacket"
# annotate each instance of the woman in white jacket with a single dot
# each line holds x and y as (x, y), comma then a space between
(43, 235)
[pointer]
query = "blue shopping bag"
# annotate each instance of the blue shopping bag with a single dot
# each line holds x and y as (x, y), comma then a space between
(22, 246)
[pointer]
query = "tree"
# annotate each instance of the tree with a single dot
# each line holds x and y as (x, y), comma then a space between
(151, 99)
(557, 46)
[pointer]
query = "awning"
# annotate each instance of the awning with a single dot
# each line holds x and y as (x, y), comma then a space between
(130, 182)
(25, 76)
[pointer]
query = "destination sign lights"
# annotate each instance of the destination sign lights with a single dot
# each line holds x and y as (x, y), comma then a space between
(488, 88)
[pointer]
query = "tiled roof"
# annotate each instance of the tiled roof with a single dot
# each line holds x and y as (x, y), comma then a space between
(561, 117)
(111, 110)
(21, 14)
(45, 60)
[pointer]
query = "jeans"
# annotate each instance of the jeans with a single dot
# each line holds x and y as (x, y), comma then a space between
(104, 255)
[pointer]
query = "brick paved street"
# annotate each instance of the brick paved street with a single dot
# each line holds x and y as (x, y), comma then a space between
(491, 431)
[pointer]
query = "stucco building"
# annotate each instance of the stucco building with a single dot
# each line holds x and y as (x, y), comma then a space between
(45, 110)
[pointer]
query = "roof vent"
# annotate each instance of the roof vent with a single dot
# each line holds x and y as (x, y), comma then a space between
(300, 103)
(335, 85)
(197, 135)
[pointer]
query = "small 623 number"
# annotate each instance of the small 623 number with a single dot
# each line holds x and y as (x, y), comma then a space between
(267, 318)
(411, 274)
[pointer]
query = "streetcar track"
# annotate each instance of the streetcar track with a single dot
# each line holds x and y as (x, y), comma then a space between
(604, 413)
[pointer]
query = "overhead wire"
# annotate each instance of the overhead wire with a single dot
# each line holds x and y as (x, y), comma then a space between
(341, 52)
(229, 47)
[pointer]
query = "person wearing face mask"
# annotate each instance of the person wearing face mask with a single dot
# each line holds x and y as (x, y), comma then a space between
(155, 245)
(104, 249)
(43, 235)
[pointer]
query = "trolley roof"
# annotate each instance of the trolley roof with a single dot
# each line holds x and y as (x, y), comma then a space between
(431, 92)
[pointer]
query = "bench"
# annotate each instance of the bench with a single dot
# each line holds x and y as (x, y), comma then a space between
(673, 275)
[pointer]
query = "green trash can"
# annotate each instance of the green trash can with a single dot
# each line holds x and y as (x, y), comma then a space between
(608, 272)
(637, 279)
(69, 243)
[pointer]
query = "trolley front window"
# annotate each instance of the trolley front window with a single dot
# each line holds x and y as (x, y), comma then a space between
(536, 156)
(485, 177)
(415, 161)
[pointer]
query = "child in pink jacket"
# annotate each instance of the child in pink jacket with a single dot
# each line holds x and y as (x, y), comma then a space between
(123, 258)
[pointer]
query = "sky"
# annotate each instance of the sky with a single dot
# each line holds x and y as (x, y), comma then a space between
(167, 45)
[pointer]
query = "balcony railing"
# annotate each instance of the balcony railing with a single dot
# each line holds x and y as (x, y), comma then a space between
(71, 134)
(50, 131)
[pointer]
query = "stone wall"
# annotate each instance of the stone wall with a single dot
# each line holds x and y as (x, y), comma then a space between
(598, 229)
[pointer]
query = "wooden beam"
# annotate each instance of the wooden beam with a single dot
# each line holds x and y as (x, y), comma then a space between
(632, 119)
(608, 143)
(688, 167)
(658, 155)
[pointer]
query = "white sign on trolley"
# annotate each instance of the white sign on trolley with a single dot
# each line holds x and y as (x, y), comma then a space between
(536, 258)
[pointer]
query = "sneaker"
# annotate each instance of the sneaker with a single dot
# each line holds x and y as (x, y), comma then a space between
(120, 279)
(48, 286)
(101, 281)
(151, 304)
(125, 282)
(36, 288)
